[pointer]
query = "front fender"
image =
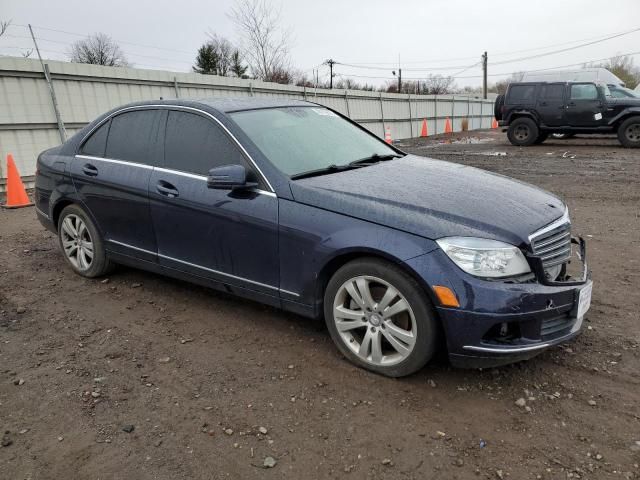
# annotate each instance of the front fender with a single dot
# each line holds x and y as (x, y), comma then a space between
(627, 112)
(311, 238)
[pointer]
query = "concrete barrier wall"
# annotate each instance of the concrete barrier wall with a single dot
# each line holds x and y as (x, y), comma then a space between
(28, 123)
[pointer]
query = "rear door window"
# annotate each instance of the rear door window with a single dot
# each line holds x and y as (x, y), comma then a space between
(551, 93)
(195, 144)
(525, 94)
(96, 144)
(584, 91)
(133, 136)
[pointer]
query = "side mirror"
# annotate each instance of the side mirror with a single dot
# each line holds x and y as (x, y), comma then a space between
(229, 177)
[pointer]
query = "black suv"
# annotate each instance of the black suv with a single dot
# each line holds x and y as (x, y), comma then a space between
(534, 110)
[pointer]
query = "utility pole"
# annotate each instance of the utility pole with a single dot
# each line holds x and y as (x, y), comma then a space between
(484, 75)
(330, 62)
(399, 80)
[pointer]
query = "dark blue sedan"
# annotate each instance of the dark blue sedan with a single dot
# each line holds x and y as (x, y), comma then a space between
(291, 204)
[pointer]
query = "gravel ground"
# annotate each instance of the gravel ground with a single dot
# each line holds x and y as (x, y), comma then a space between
(140, 376)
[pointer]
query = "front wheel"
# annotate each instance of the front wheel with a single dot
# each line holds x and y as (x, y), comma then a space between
(380, 318)
(629, 132)
(81, 244)
(523, 132)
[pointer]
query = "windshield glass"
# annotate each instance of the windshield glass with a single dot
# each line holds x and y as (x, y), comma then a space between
(622, 92)
(302, 139)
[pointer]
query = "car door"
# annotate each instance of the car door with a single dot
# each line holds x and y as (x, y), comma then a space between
(550, 104)
(228, 236)
(111, 174)
(584, 106)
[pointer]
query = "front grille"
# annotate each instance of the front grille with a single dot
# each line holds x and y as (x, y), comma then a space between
(553, 246)
(556, 327)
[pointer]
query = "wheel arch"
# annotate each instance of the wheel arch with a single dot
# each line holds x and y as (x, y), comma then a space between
(523, 113)
(623, 116)
(344, 257)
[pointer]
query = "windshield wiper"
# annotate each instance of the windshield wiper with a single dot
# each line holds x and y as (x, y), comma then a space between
(322, 171)
(375, 158)
(363, 162)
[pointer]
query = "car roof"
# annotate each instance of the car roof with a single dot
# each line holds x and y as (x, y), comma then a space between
(228, 104)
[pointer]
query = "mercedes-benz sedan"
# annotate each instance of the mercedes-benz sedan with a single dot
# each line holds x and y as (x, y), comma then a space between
(291, 204)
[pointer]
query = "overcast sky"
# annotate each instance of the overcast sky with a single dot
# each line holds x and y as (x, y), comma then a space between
(425, 33)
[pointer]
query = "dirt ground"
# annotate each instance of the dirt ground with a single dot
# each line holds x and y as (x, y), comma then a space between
(143, 377)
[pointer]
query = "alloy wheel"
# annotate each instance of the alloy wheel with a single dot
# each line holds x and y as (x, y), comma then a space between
(77, 242)
(374, 320)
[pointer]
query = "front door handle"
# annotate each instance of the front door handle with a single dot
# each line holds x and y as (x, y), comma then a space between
(166, 189)
(90, 170)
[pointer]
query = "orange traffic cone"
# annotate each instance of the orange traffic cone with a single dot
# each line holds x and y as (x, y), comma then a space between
(494, 123)
(16, 194)
(447, 126)
(387, 135)
(425, 131)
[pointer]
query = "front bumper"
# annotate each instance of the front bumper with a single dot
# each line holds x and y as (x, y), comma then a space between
(501, 322)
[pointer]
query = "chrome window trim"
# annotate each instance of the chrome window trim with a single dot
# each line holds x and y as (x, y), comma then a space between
(192, 109)
(166, 170)
(117, 162)
(235, 277)
(555, 224)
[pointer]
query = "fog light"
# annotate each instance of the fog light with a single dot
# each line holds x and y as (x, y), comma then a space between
(446, 296)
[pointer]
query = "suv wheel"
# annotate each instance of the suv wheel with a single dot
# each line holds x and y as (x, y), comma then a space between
(629, 132)
(81, 244)
(380, 318)
(523, 132)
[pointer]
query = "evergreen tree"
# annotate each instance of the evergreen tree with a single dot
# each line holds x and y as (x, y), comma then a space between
(237, 68)
(207, 60)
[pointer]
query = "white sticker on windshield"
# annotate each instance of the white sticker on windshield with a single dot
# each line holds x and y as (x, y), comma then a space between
(324, 112)
(598, 116)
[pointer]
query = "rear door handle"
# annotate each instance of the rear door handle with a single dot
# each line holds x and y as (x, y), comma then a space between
(90, 170)
(166, 189)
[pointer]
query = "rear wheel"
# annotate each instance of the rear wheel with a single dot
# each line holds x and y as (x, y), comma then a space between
(380, 318)
(81, 244)
(629, 132)
(523, 132)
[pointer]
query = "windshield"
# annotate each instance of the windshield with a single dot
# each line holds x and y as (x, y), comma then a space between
(302, 139)
(622, 92)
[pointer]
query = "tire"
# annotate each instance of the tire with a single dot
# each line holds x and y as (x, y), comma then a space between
(406, 339)
(523, 132)
(81, 244)
(541, 138)
(563, 136)
(497, 108)
(629, 132)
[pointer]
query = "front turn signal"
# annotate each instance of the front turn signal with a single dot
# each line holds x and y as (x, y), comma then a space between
(446, 296)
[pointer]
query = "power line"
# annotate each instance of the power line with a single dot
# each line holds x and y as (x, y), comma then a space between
(501, 74)
(502, 62)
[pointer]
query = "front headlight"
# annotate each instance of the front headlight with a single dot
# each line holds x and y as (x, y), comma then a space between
(482, 257)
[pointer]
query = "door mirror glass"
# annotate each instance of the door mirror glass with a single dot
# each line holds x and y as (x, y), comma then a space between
(229, 177)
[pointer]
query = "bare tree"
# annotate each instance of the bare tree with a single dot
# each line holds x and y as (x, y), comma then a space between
(4, 25)
(265, 43)
(224, 50)
(437, 85)
(27, 53)
(98, 49)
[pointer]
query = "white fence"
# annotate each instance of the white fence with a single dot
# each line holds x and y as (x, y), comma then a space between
(28, 122)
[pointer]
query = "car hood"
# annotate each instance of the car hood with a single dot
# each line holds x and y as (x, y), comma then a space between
(627, 101)
(434, 199)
